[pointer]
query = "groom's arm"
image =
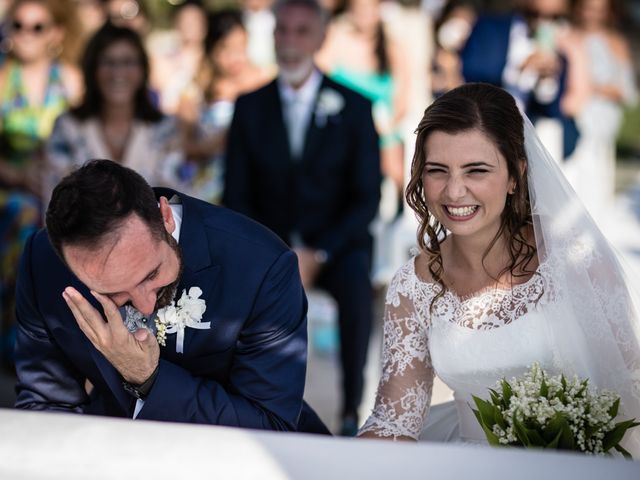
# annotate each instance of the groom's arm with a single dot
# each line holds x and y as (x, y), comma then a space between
(266, 379)
(46, 378)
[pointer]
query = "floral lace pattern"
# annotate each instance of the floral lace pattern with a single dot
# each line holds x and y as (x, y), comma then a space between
(404, 392)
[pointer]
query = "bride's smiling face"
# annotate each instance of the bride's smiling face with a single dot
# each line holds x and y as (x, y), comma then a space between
(466, 182)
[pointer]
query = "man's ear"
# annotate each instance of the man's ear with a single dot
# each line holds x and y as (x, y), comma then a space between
(167, 215)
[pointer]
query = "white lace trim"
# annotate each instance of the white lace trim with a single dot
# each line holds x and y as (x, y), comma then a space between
(492, 307)
(404, 391)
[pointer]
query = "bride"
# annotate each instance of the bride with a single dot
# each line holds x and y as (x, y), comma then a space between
(511, 271)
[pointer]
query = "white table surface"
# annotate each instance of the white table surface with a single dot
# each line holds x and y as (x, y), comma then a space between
(37, 445)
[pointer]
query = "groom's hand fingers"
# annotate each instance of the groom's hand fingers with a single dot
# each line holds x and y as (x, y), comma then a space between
(84, 314)
(111, 311)
(119, 332)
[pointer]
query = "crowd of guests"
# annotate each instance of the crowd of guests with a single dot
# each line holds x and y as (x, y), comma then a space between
(93, 79)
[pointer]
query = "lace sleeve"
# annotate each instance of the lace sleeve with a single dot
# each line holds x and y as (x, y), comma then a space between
(404, 391)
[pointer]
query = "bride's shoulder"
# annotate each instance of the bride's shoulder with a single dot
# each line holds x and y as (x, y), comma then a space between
(421, 270)
(413, 271)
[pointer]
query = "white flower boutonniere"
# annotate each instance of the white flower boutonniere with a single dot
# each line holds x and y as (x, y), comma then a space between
(329, 103)
(186, 312)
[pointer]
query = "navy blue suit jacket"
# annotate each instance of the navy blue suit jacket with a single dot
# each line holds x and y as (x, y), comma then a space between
(330, 195)
(484, 58)
(248, 370)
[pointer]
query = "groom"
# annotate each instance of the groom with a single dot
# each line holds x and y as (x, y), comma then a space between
(233, 353)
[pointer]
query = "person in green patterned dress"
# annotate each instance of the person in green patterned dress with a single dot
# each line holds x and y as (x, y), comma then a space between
(36, 85)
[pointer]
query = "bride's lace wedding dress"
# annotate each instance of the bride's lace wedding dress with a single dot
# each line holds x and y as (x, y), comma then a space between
(470, 343)
(579, 314)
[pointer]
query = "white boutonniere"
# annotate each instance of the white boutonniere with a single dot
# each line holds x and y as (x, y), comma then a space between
(186, 312)
(329, 103)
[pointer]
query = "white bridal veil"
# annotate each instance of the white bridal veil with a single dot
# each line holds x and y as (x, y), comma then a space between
(592, 317)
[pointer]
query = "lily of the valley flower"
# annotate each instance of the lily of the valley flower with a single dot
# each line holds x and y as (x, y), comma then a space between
(175, 317)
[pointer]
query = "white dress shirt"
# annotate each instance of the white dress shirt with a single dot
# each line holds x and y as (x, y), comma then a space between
(297, 108)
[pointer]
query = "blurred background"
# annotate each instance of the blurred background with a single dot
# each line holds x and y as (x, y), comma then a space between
(155, 89)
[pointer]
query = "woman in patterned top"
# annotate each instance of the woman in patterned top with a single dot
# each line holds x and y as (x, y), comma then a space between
(36, 84)
(116, 118)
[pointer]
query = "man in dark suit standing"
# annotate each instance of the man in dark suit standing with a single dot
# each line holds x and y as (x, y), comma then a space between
(155, 305)
(303, 159)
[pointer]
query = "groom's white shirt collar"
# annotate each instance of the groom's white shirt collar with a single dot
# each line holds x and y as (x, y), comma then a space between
(176, 209)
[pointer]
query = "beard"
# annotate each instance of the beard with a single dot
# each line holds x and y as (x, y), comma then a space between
(296, 75)
(167, 293)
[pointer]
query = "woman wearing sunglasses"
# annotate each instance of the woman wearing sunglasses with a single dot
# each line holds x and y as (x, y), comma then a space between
(36, 85)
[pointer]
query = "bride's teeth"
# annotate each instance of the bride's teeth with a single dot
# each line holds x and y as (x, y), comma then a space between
(461, 211)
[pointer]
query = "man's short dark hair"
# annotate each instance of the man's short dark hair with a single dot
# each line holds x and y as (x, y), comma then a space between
(92, 202)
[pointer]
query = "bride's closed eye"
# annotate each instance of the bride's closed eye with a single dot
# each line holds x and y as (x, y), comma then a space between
(434, 170)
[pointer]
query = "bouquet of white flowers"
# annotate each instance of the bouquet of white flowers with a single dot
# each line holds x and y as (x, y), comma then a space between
(539, 410)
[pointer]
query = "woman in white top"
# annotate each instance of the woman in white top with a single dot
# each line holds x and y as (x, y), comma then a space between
(511, 271)
(117, 118)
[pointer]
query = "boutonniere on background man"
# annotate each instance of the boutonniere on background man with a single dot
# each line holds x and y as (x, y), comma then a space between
(538, 410)
(175, 317)
(329, 103)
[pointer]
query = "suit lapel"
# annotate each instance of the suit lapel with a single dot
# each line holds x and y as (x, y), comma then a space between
(198, 268)
(314, 134)
(275, 125)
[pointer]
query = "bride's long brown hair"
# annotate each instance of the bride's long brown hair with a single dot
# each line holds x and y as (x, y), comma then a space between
(492, 111)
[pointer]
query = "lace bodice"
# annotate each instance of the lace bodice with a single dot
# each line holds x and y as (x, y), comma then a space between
(469, 342)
